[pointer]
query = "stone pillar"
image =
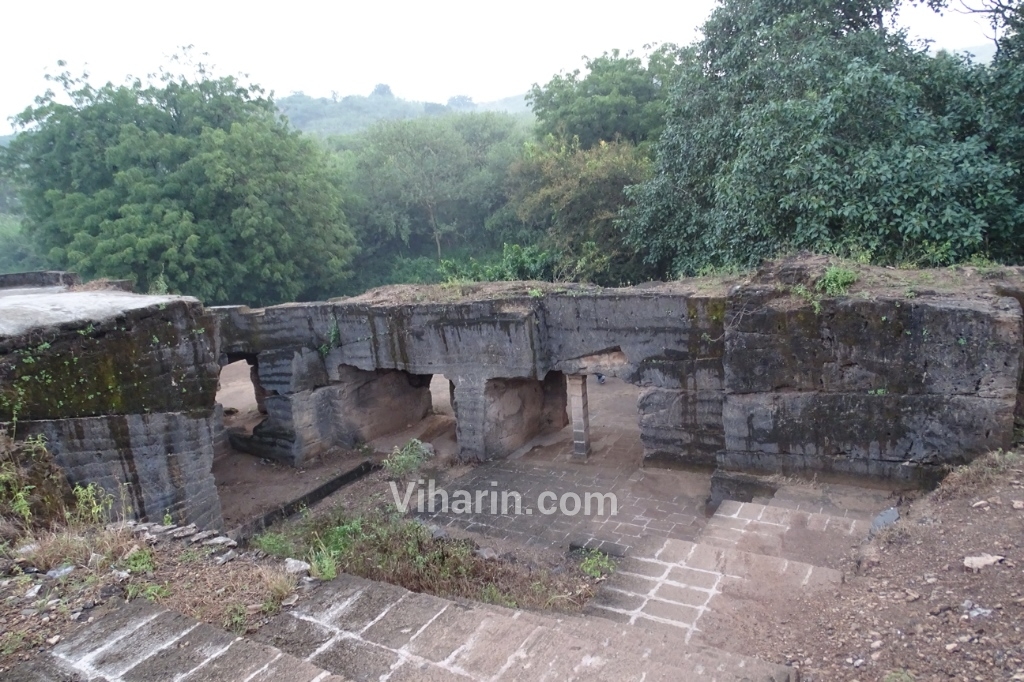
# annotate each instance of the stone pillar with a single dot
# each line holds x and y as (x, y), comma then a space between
(577, 388)
(470, 418)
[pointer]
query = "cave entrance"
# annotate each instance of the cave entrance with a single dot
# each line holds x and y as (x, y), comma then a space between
(604, 422)
(437, 427)
(240, 394)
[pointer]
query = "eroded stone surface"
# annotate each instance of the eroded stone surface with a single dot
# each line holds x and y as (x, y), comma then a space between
(753, 377)
(122, 387)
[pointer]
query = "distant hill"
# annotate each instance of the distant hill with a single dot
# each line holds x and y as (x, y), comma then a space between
(516, 104)
(5, 140)
(346, 115)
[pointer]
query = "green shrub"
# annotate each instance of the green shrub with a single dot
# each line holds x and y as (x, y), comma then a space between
(405, 460)
(491, 594)
(836, 281)
(275, 544)
(33, 489)
(596, 564)
(323, 564)
(140, 561)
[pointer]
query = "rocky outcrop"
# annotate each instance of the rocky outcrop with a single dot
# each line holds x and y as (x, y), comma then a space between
(895, 380)
(123, 389)
(883, 386)
(764, 373)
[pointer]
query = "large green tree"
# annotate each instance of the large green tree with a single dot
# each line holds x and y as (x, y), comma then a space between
(189, 183)
(620, 96)
(816, 124)
(571, 196)
(432, 184)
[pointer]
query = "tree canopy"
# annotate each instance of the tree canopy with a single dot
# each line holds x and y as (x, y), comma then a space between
(815, 124)
(803, 124)
(571, 197)
(190, 184)
(435, 179)
(621, 96)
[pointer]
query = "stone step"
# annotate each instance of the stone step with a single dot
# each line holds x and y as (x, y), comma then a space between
(681, 585)
(664, 646)
(850, 501)
(142, 642)
(367, 631)
(820, 539)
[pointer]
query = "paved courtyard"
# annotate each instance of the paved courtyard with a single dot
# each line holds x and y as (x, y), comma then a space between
(624, 506)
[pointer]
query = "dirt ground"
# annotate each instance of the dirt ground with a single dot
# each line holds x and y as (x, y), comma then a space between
(909, 610)
(249, 486)
(977, 280)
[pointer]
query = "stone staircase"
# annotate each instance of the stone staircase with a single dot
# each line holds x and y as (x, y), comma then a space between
(364, 630)
(746, 559)
(649, 621)
(816, 538)
(142, 642)
(351, 630)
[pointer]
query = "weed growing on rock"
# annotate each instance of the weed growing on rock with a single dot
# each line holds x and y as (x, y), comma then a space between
(836, 281)
(323, 563)
(92, 505)
(140, 561)
(235, 619)
(279, 585)
(809, 296)
(152, 593)
(491, 594)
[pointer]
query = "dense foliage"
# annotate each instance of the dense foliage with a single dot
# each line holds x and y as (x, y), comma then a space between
(426, 189)
(571, 196)
(189, 185)
(814, 124)
(621, 96)
(805, 124)
(17, 252)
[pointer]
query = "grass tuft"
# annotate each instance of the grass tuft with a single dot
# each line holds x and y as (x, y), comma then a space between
(979, 475)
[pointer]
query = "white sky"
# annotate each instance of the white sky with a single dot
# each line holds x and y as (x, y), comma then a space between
(428, 50)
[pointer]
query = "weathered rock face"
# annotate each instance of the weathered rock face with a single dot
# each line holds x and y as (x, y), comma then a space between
(744, 375)
(876, 387)
(517, 409)
(360, 406)
(123, 388)
(161, 461)
(892, 384)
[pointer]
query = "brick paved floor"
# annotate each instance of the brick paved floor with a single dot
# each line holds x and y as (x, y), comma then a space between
(659, 503)
(662, 503)
(675, 584)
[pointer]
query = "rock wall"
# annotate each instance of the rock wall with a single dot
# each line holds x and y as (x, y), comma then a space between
(755, 374)
(123, 389)
(875, 387)
(162, 462)
(764, 373)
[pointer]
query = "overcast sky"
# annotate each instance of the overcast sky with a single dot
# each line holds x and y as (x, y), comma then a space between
(428, 50)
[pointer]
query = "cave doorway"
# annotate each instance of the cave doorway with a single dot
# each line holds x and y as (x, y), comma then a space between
(437, 428)
(240, 394)
(602, 413)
